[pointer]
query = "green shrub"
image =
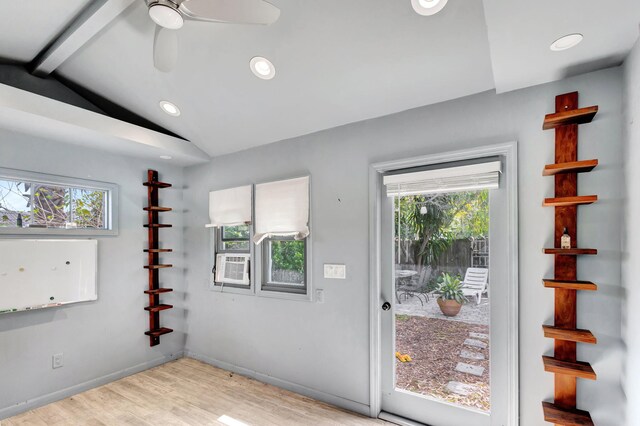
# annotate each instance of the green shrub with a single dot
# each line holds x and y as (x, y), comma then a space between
(450, 288)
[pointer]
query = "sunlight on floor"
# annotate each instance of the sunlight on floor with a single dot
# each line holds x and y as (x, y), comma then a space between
(230, 421)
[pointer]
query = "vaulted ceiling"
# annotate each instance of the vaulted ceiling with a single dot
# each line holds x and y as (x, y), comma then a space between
(336, 61)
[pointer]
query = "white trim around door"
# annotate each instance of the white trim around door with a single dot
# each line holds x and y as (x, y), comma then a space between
(510, 152)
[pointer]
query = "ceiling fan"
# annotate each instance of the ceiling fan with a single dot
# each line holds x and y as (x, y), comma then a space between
(169, 15)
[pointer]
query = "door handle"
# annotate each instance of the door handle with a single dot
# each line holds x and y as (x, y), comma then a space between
(386, 306)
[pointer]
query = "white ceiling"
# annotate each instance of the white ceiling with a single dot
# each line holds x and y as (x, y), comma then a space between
(28, 26)
(337, 61)
(520, 34)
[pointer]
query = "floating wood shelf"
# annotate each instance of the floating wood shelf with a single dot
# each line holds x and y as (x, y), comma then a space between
(566, 200)
(154, 184)
(569, 116)
(569, 334)
(160, 266)
(157, 209)
(155, 333)
(569, 201)
(571, 251)
(158, 308)
(579, 369)
(565, 416)
(153, 251)
(570, 167)
(570, 285)
(158, 291)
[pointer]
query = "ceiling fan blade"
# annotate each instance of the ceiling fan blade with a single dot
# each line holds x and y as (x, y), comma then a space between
(165, 49)
(232, 11)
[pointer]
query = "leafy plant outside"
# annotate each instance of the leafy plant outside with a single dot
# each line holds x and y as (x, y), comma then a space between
(450, 288)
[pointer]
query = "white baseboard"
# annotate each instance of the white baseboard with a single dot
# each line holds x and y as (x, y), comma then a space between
(338, 401)
(39, 401)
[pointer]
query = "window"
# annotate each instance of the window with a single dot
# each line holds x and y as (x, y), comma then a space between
(232, 240)
(230, 216)
(284, 265)
(33, 203)
(282, 230)
(279, 236)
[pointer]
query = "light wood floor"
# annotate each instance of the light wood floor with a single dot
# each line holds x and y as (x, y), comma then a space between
(188, 392)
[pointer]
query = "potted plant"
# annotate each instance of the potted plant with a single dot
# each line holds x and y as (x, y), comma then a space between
(451, 296)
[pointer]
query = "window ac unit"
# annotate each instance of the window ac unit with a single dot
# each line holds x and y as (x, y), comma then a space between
(232, 268)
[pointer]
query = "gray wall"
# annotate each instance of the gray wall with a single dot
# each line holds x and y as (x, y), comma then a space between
(100, 340)
(631, 236)
(323, 349)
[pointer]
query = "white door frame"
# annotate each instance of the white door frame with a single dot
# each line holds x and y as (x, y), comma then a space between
(510, 151)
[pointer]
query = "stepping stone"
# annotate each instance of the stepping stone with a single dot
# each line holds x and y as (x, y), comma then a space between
(475, 343)
(479, 336)
(471, 355)
(469, 369)
(461, 388)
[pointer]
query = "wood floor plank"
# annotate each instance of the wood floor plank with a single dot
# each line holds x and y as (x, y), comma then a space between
(188, 392)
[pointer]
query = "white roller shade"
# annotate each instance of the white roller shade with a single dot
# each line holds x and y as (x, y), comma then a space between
(230, 207)
(450, 179)
(282, 209)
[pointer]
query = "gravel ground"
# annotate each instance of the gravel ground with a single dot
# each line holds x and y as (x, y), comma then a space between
(434, 346)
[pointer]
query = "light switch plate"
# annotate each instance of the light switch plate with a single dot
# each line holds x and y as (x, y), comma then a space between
(320, 295)
(335, 271)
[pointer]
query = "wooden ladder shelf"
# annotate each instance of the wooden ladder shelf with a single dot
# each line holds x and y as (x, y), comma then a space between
(563, 364)
(154, 291)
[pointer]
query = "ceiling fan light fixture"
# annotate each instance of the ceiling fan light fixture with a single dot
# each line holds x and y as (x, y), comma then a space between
(428, 7)
(566, 42)
(166, 16)
(262, 68)
(170, 108)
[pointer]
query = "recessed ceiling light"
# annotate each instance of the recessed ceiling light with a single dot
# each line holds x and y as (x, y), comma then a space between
(165, 15)
(566, 42)
(262, 68)
(428, 7)
(166, 157)
(170, 108)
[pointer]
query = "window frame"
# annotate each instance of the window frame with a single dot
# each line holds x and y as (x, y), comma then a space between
(263, 289)
(216, 249)
(111, 204)
(220, 240)
(266, 284)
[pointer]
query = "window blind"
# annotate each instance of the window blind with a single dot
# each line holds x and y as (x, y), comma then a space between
(230, 207)
(447, 179)
(282, 209)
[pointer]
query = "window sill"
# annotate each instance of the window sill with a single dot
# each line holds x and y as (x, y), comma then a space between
(302, 297)
(232, 290)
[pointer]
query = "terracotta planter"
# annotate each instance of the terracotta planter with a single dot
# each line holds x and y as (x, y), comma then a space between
(449, 308)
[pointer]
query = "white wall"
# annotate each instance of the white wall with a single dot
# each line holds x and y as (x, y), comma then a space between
(323, 349)
(100, 340)
(631, 235)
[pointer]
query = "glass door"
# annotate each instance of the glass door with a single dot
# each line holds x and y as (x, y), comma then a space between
(441, 275)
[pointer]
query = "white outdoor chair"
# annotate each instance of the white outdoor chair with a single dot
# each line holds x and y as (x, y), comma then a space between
(475, 283)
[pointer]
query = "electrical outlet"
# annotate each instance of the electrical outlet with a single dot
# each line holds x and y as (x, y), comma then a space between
(58, 360)
(319, 295)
